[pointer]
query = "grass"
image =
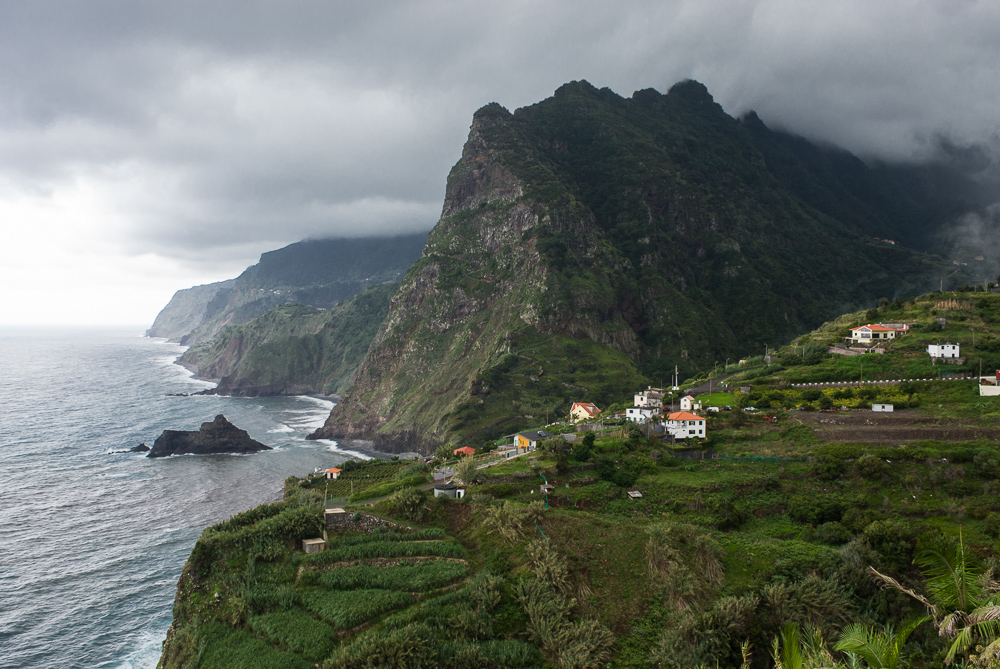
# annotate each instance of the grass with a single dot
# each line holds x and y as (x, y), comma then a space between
(297, 631)
(419, 577)
(344, 609)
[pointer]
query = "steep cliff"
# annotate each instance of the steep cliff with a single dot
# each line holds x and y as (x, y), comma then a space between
(188, 309)
(318, 273)
(590, 243)
(294, 349)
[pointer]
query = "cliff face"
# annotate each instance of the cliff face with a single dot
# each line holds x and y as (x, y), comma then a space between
(187, 309)
(590, 243)
(318, 273)
(294, 349)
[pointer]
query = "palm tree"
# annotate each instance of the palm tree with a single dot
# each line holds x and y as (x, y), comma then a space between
(879, 649)
(963, 599)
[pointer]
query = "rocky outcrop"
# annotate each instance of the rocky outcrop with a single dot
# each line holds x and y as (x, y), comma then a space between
(217, 436)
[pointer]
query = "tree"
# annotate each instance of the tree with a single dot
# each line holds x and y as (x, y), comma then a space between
(443, 452)
(560, 448)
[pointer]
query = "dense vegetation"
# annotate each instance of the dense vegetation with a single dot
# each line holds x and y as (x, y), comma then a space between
(656, 228)
(294, 349)
(783, 536)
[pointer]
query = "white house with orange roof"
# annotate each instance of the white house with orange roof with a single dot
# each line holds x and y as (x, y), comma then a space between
(333, 473)
(684, 425)
(583, 411)
(876, 332)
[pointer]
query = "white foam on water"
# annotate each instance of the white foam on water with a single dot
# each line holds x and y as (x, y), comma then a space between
(146, 655)
(333, 448)
(283, 428)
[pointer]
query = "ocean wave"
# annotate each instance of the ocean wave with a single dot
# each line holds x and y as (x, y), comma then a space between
(334, 448)
(283, 428)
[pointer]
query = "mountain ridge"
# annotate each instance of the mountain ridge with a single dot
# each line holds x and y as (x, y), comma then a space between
(651, 226)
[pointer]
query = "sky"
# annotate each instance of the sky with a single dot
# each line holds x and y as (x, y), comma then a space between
(147, 147)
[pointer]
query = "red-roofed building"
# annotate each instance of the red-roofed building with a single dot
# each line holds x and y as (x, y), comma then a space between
(332, 473)
(873, 332)
(464, 451)
(583, 411)
(684, 424)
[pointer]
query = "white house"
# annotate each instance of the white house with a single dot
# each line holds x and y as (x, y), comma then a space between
(874, 332)
(689, 403)
(650, 397)
(639, 414)
(943, 350)
(683, 424)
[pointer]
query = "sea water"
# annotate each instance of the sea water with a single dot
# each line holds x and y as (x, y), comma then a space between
(92, 542)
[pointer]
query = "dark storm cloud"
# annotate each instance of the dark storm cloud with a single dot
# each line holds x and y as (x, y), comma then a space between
(233, 127)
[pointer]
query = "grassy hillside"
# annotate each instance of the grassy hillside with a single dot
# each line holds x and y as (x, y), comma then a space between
(971, 319)
(717, 553)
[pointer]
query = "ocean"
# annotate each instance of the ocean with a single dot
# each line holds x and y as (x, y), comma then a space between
(92, 542)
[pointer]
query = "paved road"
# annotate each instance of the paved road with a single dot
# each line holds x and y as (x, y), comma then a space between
(714, 383)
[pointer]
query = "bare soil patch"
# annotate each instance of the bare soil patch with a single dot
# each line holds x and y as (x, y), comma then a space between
(898, 427)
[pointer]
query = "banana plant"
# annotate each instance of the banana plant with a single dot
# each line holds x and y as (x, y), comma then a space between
(962, 598)
(880, 649)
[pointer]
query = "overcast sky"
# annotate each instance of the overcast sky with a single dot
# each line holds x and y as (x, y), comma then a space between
(151, 146)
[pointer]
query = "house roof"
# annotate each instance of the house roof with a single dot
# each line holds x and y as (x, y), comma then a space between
(589, 407)
(874, 328)
(688, 397)
(535, 435)
(333, 470)
(684, 415)
(468, 450)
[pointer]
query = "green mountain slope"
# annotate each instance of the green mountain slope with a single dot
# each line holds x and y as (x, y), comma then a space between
(294, 349)
(317, 273)
(648, 232)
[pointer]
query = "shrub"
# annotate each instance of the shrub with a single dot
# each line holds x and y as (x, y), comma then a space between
(816, 511)
(828, 468)
(411, 503)
(467, 471)
(870, 467)
(833, 534)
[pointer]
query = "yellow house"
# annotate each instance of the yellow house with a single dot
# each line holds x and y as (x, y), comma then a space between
(528, 441)
(583, 411)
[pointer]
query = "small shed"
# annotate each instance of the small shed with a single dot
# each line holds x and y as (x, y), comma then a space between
(314, 545)
(547, 488)
(332, 474)
(887, 408)
(449, 490)
(335, 517)
(634, 494)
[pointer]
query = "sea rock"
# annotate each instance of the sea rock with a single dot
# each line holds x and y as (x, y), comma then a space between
(141, 448)
(218, 436)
